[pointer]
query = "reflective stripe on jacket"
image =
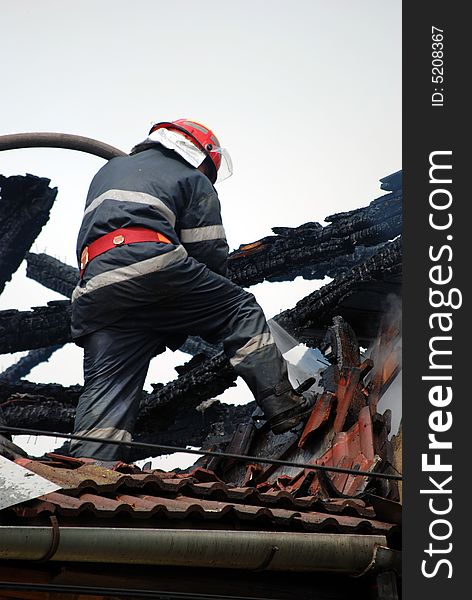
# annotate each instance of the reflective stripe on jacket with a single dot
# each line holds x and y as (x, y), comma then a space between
(158, 190)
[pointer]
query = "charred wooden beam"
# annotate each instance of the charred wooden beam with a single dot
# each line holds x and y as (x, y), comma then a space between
(361, 296)
(356, 295)
(7, 448)
(26, 364)
(206, 380)
(25, 203)
(62, 278)
(56, 276)
(211, 422)
(52, 273)
(52, 408)
(25, 330)
(378, 276)
(309, 250)
(57, 321)
(32, 403)
(314, 251)
(37, 328)
(38, 412)
(68, 396)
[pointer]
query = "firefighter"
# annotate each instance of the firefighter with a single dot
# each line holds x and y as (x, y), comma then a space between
(153, 264)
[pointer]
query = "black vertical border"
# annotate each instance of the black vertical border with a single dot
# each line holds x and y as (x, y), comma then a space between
(427, 129)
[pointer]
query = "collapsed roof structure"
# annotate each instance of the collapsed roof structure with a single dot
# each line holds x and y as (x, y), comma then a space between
(361, 251)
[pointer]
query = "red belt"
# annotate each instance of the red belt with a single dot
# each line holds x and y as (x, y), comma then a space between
(119, 237)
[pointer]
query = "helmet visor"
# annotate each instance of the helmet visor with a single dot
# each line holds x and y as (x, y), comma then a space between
(226, 165)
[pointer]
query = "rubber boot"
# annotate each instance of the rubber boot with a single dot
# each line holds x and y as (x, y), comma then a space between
(284, 408)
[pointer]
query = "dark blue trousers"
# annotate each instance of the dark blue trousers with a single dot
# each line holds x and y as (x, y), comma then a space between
(116, 357)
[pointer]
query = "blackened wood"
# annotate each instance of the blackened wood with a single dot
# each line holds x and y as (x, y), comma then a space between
(25, 203)
(26, 364)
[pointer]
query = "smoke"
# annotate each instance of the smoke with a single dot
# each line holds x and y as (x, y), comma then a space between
(392, 399)
(390, 349)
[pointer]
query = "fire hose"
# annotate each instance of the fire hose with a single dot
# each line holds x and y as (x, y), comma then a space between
(69, 141)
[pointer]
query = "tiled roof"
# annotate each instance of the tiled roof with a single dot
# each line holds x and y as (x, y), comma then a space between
(98, 493)
(344, 431)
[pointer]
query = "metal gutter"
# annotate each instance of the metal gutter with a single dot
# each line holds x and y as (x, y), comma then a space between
(253, 550)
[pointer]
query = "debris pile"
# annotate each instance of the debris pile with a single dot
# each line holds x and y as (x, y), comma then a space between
(337, 495)
(355, 248)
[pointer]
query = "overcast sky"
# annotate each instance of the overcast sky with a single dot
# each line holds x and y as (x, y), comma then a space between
(305, 95)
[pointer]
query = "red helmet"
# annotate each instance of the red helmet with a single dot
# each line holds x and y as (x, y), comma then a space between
(202, 137)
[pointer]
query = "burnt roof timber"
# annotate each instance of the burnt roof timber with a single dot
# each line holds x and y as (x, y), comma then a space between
(25, 204)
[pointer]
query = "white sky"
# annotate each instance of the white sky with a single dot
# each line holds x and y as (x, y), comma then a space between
(305, 95)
